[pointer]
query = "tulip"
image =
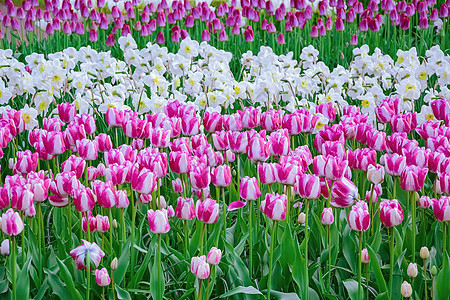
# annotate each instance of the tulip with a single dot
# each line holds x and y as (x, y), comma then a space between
(83, 198)
(122, 199)
(307, 186)
(21, 197)
(344, 193)
(67, 112)
(406, 289)
(441, 208)
(190, 125)
(258, 150)
(143, 181)
(274, 206)
(179, 162)
(207, 211)
(412, 270)
(214, 256)
(4, 197)
(221, 176)
(4, 247)
(79, 254)
(54, 143)
(424, 253)
(177, 185)
(26, 161)
(104, 142)
(87, 149)
(158, 221)
(266, 172)
(424, 202)
(11, 223)
(102, 277)
(271, 120)
(279, 142)
(75, 164)
(232, 122)
(102, 223)
(185, 209)
(391, 213)
(412, 178)
(114, 117)
(220, 140)
(375, 174)
(212, 121)
(394, 164)
(365, 259)
(359, 219)
(200, 267)
(249, 188)
(327, 217)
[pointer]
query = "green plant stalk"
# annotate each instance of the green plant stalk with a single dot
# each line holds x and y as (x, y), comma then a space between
(185, 228)
(425, 277)
(367, 281)
(39, 212)
(224, 215)
(306, 292)
(202, 237)
(329, 259)
(370, 206)
(444, 246)
(88, 272)
(391, 264)
(123, 226)
(133, 222)
(159, 268)
(207, 285)
(250, 239)
(110, 232)
(112, 285)
(413, 225)
(360, 296)
(13, 267)
(272, 241)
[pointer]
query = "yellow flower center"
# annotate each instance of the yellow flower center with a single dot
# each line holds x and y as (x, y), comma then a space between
(320, 125)
(400, 59)
(423, 75)
(187, 49)
(410, 86)
(26, 118)
(56, 78)
(203, 102)
(304, 83)
(43, 106)
(237, 90)
(365, 103)
(429, 117)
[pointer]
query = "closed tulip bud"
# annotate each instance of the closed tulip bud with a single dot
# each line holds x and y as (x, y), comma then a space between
(102, 277)
(200, 267)
(214, 256)
(394, 164)
(185, 209)
(158, 221)
(177, 185)
(441, 208)
(221, 176)
(344, 193)
(67, 112)
(122, 199)
(406, 289)
(307, 186)
(391, 213)
(279, 142)
(21, 197)
(200, 176)
(212, 121)
(258, 150)
(180, 162)
(102, 223)
(26, 161)
(207, 211)
(11, 223)
(249, 189)
(335, 168)
(412, 270)
(434, 270)
(327, 217)
(274, 206)
(359, 218)
(54, 143)
(144, 181)
(424, 253)
(87, 149)
(365, 259)
(301, 218)
(375, 174)
(4, 247)
(424, 202)
(114, 264)
(104, 142)
(267, 173)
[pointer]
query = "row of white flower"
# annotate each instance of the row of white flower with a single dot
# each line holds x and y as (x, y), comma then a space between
(200, 75)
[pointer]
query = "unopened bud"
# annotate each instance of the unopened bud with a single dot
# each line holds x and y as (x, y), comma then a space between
(433, 270)
(424, 253)
(406, 289)
(301, 218)
(114, 264)
(114, 224)
(365, 259)
(412, 270)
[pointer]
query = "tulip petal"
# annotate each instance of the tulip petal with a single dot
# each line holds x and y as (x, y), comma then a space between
(236, 205)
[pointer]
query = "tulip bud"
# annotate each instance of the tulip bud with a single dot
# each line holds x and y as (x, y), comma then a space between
(11, 223)
(365, 259)
(424, 253)
(327, 217)
(214, 256)
(301, 218)
(158, 221)
(4, 248)
(114, 264)
(406, 289)
(434, 270)
(102, 277)
(412, 270)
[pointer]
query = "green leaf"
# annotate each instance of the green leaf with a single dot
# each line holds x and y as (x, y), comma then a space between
(23, 282)
(442, 286)
(352, 288)
(67, 279)
(284, 296)
(122, 263)
(57, 285)
(121, 293)
(249, 290)
(375, 267)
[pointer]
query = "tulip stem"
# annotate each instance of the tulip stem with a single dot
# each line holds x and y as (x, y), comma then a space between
(112, 285)
(367, 281)
(224, 215)
(360, 296)
(207, 286)
(123, 225)
(202, 238)
(133, 222)
(444, 246)
(250, 239)
(13, 267)
(413, 226)
(306, 292)
(269, 279)
(160, 296)
(110, 231)
(39, 212)
(391, 265)
(370, 205)
(199, 297)
(88, 270)
(329, 259)
(395, 187)
(425, 277)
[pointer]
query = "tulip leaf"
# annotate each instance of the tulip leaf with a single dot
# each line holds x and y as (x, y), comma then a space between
(237, 264)
(57, 285)
(284, 296)
(249, 290)
(349, 249)
(375, 268)
(122, 263)
(64, 274)
(121, 293)
(351, 286)
(23, 281)
(442, 286)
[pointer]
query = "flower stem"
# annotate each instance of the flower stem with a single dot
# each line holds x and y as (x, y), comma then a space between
(444, 246)
(88, 272)
(250, 239)
(110, 232)
(123, 225)
(329, 259)
(425, 278)
(199, 297)
(112, 285)
(224, 215)
(13, 267)
(133, 222)
(272, 241)
(159, 268)
(360, 296)
(202, 237)
(306, 292)
(413, 225)
(185, 227)
(391, 265)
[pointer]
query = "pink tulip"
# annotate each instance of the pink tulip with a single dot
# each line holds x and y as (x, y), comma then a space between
(441, 208)
(391, 213)
(26, 161)
(221, 176)
(143, 181)
(83, 198)
(11, 223)
(54, 143)
(274, 206)
(327, 217)
(344, 193)
(271, 120)
(212, 121)
(307, 186)
(335, 168)
(375, 174)
(207, 211)
(249, 189)
(258, 150)
(267, 173)
(190, 125)
(158, 221)
(412, 178)
(200, 176)
(286, 172)
(359, 219)
(102, 223)
(200, 267)
(87, 149)
(177, 185)
(424, 202)
(79, 254)
(75, 164)
(237, 141)
(250, 117)
(214, 256)
(67, 112)
(394, 164)
(220, 140)
(179, 162)
(185, 209)
(102, 277)
(279, 142)
(21, 197)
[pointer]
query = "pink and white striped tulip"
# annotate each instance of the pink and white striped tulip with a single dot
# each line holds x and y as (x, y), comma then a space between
(11, 223)
(274, 206)
(391, 213)
(158, 221)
